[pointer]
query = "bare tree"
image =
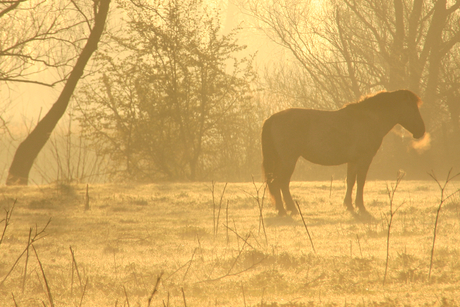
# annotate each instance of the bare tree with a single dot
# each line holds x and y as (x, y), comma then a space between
(174, 100)
(352, 47)
(29, 149)
(38, 36)
(349, 48)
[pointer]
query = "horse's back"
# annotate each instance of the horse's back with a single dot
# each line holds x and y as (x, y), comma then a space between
(322, 137)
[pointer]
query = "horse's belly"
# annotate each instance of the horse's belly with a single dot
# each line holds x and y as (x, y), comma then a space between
(330, 149)
(326, 158)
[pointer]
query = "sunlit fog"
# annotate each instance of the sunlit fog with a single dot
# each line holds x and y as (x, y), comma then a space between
(229, 153)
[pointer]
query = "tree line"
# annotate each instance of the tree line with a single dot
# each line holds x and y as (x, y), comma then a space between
(170, 95)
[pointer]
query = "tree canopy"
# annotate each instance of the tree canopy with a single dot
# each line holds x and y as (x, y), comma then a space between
(172, 99)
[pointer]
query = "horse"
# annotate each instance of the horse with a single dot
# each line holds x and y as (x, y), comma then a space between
(352, 135)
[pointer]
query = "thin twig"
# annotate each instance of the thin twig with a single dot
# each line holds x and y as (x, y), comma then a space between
(306, 228)
(74, 264)
(391, 195)
(228, 274)
(234, 274)
(220, 207)
(50, 297)
(27, 261)
(260, 203)
(441, 202)
(226, 221)
(84, 291)
(183, 266)
(183, 295)
(87, 207)
(167, 302)
(330, 188)
(126, 296)
(36, 237)
(7, 220)
(189, 264)
(359, 244)
(155, 289)
(213, 184)
(14, 300)
(236, 233)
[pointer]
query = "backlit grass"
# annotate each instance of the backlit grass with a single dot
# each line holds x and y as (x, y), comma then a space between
(133, 233)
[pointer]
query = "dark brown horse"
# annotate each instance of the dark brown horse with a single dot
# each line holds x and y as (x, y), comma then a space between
(350, 135)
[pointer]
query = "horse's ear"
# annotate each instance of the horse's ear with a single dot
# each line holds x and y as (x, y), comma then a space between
(410, 96)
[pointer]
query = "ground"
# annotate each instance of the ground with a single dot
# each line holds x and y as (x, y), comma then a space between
(218, 251)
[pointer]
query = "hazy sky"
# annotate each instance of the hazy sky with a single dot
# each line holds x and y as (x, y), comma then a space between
(28, 101)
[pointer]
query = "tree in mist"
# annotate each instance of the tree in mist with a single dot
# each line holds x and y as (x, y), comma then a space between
(34, 35)
(39, 36)
(29, 149)
(352, 47)
(348, 48)
(172, 99)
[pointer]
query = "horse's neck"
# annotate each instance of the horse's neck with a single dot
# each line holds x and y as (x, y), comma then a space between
(385, 117)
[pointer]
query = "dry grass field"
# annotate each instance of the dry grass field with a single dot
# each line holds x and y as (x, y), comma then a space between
(220, 252)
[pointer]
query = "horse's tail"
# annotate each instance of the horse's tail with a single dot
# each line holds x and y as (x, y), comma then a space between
(270, 158)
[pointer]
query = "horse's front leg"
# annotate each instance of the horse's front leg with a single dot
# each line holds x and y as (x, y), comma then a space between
(351, 178)
(363, 167)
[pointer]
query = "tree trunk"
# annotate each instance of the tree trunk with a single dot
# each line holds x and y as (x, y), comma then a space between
(397, 57)
(29, 149)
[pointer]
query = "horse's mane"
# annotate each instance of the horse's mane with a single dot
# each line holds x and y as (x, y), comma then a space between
(379, 98)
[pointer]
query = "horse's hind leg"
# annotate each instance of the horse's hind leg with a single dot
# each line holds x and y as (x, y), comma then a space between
(285, 178)
(290, 205)
(274, 188)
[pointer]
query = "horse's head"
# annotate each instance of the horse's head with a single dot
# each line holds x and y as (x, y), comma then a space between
(409, 113)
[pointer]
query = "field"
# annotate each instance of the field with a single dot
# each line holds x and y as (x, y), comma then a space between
(206, 246)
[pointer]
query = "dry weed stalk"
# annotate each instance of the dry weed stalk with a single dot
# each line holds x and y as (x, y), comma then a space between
(27, 262)
(155, 289)
(189, 264)
(391, 194)
(37, 236)
(14, 300)
(226, 221)
(83, 293)
(239, 236)
(260, 204)
(48, 290)
(7, 220)
(183, 295)
(183, 266)
(126, 296)
(74, 265)
(330, 188)
(87, 207)
(214, 218)
(442, 200)
(240, 251)
(306, 228)
(359, 244)
(167, 302)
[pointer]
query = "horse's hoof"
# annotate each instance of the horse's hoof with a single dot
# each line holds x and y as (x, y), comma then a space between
(348, 206)
(365, 215)
(282, 213)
